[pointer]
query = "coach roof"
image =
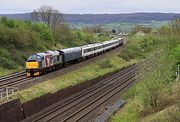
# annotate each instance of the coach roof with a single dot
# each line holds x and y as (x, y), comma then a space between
(69, 50)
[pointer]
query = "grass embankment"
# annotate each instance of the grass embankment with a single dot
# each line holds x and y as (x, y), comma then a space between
(101, 67)
(4, 71)
(156, 97)
(168, 109)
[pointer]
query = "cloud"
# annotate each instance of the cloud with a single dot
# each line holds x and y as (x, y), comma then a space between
(92, 6)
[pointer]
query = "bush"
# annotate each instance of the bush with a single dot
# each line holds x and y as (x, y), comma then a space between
(142, 29)
(19, 39)
(8, 64)
(134, 50)
(106, 64)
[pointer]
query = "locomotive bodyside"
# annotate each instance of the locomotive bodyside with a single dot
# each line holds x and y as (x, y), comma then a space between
(40, 63)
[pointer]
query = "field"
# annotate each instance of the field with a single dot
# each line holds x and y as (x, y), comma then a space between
(123, 26)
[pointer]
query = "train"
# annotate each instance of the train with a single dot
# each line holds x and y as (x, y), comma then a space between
(41, 63)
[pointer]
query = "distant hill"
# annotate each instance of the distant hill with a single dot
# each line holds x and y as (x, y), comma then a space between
(106, 18)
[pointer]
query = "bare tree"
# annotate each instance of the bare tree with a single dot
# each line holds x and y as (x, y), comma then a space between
(52, 17)
(62, 32)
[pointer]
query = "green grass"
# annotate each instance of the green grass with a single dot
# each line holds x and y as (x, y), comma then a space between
(131, 112)
(6, 71)
(127, 114)
(169, 114)
(75, 77)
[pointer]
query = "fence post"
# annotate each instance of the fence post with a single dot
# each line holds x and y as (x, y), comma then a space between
(178, 73)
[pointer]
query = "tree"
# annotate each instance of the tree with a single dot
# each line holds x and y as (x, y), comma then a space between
(8, 23)
(62, 32)
(175, 26)
(52, 17)
(94, 29)
(165, 30)
(142, 29)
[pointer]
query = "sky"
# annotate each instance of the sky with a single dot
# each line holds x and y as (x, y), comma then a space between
(91, 6)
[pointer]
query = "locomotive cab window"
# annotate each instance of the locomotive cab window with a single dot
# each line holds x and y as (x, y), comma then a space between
(34, 57)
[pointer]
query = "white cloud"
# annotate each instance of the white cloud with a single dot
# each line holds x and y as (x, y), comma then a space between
(92, 6)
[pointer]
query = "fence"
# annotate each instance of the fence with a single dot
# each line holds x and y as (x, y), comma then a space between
(6, 93)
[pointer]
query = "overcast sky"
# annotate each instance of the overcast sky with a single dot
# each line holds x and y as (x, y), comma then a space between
(92, 6)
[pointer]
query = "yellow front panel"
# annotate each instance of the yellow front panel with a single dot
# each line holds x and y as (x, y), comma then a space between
(31, 65)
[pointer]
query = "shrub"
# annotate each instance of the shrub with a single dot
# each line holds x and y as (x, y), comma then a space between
(8, 64)
(106, 64)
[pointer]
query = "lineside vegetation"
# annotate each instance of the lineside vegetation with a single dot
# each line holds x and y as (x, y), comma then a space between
(19, 39)
(137, 49)
(156, 97)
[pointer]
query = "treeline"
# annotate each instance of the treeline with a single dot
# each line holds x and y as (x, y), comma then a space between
(106, 18)
(24, 34)
(171, 31)
(20, 38)
(172, 27)
(62, 32)
(118, 18)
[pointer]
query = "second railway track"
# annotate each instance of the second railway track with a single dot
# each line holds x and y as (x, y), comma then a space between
(83, 105)
(73, 107)
(13, 80)
(11, 76)
(16, 79)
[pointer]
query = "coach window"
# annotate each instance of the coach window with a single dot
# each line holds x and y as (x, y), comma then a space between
(89, 50)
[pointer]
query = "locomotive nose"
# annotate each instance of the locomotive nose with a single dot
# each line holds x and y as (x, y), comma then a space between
(32, 65)
(32, 68)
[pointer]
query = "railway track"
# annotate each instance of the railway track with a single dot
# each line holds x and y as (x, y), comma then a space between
(16, 79)
(81, 106)
(84, 111)
(13, 79)
(88, 97)
(11, 76)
